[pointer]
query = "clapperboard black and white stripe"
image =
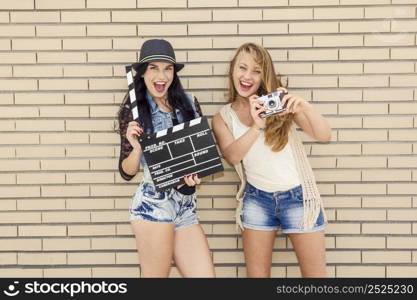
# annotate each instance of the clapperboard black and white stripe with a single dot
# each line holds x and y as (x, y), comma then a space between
(132, 94)
(186, 148)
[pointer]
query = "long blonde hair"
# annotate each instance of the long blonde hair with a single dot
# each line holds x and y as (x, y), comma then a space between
(277, 126)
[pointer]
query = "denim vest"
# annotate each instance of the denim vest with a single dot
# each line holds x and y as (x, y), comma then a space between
(161, 120)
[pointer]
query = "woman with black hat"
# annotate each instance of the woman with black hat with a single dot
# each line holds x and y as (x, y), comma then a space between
(164, 223)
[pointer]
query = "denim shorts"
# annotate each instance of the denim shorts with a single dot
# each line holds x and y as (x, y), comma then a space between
(279, 210)
(169, 206)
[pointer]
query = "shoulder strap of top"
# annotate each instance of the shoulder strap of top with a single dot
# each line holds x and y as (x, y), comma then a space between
(225, 113)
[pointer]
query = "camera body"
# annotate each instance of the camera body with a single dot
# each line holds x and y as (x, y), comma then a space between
(272, 103)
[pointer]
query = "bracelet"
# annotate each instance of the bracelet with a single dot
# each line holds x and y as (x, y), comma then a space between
(256, 127)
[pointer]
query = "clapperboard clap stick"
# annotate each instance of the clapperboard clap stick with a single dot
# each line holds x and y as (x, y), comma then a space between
(186, 148)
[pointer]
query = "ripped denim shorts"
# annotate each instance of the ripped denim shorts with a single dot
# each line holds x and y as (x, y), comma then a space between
(169, 206)
(280, 210)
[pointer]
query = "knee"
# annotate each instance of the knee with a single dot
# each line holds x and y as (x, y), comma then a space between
(258, 272)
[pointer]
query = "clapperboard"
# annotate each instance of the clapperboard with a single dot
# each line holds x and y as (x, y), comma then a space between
(186, 148)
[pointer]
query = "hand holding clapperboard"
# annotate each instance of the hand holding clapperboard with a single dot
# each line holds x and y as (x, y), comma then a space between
(186, 148)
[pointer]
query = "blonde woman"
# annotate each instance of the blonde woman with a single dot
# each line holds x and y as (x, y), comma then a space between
(278, 190)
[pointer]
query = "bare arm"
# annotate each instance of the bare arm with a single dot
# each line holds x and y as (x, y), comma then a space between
(311, 121)
(234, 150)
(314, 124)
(130, 163)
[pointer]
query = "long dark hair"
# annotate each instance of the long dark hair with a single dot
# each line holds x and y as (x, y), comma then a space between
(176, 98)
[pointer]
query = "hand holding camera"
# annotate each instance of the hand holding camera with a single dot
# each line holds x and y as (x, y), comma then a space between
(294, 104)
(255, 110)
(272, 103)
(280, 101)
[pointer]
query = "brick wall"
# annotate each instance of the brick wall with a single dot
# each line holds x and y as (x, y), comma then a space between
(63, 205)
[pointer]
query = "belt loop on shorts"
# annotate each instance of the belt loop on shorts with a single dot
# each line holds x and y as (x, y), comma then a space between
(292, 193)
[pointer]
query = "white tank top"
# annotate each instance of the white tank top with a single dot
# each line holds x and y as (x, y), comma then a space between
(267, 170)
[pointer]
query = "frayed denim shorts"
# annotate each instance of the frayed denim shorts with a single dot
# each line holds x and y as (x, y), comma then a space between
(279, 210)
(169, 206)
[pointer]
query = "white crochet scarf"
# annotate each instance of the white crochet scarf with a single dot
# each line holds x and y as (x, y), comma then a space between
(311, 196)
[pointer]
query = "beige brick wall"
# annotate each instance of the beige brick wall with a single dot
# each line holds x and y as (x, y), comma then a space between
(63, 205)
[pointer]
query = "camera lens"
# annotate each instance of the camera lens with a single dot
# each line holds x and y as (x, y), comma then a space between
(271, 103)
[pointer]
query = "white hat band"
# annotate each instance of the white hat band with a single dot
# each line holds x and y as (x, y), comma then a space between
(157, 56)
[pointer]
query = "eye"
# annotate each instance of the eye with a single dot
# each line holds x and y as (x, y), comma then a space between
(257, 71)
(242, 68)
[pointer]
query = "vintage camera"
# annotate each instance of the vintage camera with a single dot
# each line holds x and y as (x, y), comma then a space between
(272, 103)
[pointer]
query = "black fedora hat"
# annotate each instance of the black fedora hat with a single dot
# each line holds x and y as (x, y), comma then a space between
(156, 50)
